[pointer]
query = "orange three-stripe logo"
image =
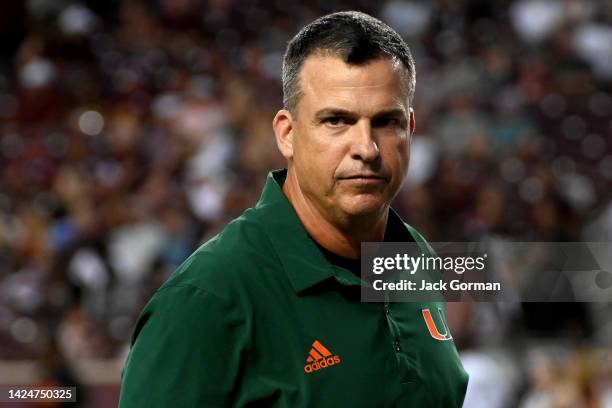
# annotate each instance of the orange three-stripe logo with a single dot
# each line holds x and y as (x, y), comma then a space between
(320, 357)
(433, 329)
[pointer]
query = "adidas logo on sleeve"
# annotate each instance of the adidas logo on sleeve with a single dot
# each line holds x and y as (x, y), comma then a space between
(320, 357)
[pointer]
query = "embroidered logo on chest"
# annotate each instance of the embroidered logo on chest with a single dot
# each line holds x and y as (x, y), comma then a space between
(433, 328)
(319, 358)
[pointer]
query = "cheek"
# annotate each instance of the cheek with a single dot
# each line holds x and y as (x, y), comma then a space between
(397, 154)
(319, 155)
(310, 163)
(405, 153)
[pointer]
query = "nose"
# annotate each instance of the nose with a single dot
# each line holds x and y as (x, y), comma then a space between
(364, 146)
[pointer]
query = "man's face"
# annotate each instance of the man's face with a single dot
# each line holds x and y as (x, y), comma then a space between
(351, 134)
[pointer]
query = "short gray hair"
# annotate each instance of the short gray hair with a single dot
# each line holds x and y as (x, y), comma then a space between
(356, 37)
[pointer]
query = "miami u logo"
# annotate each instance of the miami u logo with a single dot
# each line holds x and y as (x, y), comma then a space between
(433, 329)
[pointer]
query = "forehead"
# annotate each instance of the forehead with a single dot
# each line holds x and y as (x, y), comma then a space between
(379, 84)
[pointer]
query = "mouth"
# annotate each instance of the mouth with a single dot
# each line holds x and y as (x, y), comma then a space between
(364, 177)
(366, 181)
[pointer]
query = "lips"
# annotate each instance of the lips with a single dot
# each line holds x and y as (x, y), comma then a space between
(363, 176)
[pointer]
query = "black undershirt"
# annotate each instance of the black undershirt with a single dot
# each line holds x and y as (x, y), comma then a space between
(353, 265)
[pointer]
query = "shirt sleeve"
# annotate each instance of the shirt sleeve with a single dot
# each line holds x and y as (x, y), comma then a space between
(186, 351)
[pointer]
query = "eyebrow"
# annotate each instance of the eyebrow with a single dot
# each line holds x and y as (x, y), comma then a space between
(327, 112)
(391, 113)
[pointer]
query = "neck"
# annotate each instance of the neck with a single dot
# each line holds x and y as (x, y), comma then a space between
(342, 234)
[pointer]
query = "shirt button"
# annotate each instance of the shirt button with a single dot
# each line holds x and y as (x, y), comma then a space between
(397, 347)
(387, 309)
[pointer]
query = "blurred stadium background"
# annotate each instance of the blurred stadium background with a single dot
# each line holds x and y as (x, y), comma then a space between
(131, 131)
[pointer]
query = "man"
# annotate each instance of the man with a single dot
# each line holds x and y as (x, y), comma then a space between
(267, 313)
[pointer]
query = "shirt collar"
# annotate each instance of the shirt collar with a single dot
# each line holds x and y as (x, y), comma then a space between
(303, 262)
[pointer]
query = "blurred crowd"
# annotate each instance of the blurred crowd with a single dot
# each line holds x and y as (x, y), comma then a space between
(132, 131)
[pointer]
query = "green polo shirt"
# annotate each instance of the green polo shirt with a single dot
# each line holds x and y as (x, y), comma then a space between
(258, 316)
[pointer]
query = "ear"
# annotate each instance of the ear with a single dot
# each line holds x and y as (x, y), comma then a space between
(412, 123)
(283, 132)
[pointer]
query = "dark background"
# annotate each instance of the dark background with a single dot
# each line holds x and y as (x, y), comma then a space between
(132, 131)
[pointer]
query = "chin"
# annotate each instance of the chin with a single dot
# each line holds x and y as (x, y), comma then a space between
(364, 207)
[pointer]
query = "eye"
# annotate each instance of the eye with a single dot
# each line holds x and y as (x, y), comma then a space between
(385, 122)
(335, 121)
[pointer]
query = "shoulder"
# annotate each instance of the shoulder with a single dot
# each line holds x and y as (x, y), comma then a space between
(214, 281)
(420, 240)
(228, 261)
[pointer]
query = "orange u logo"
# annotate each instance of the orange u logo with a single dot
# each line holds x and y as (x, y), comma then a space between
(433, 329)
